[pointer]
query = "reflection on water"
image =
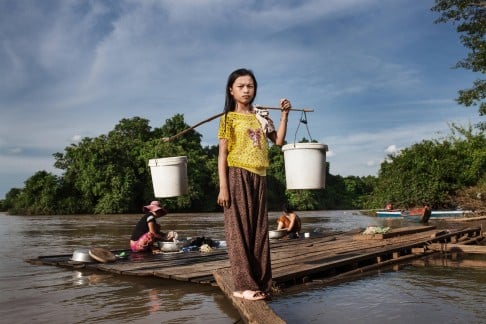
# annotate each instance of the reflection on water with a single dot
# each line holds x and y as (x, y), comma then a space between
(422, 292)
(415, 294)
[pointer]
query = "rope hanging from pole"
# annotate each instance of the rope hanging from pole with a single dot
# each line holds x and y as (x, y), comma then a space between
(303, 120)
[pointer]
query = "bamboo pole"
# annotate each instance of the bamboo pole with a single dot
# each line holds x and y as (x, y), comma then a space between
(292, 109)
(167, 139)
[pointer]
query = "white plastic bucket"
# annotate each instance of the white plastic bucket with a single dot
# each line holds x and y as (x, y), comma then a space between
(305, 165)
(169, 176)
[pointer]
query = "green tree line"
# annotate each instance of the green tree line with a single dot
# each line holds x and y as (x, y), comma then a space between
(435, 172)
(109, 174)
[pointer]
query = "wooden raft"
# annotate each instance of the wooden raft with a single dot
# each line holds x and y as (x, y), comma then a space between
(293, 261)
(335, 258)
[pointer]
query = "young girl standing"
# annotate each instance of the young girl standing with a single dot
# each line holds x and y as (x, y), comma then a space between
(242, 163)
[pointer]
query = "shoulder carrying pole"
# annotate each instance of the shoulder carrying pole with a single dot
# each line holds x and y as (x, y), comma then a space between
(167, 139)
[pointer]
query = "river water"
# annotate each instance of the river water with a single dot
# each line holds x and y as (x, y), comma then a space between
(420, 292)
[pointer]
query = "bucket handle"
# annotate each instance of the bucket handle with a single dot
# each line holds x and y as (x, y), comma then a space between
(302, 120)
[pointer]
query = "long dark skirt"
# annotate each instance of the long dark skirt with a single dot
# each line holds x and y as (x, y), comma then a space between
(246, 230)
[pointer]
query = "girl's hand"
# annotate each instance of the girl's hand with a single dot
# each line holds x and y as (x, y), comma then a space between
(285, 105)
(223, 198)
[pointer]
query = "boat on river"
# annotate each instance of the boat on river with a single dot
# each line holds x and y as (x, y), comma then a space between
(389, 214)
(416, 213)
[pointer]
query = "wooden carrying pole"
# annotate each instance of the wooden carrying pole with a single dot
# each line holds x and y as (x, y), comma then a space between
(167, 139)
(291, 109)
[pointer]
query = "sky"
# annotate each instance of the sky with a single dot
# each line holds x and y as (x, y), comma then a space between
(378, 74)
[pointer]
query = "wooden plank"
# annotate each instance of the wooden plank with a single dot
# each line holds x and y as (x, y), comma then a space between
(459, 248)
(348, 250)
(310, 252)
(446, 262)
(394, 232)
(472, 240)
(466, 219)
(188, 273)
(139, 273)
(311, 268)
(251, 311)
(472, 232)
(308, 268)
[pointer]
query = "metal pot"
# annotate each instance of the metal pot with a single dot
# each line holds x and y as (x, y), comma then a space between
(276, 234)
(81, 255)
(170, 246)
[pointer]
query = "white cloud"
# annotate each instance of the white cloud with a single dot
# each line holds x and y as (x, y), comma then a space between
(371, 163)
(392, 149)
(76, 138)
(15, 150)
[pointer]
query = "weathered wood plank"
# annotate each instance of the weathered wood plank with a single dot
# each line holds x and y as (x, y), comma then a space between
(462, 263)
(309, 268)
(459, 248)
(189, 272)
(394, 232)
(284, 258)
(471, 240)
(251, 311)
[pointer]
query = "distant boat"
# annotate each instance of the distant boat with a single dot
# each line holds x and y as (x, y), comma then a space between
(389, 213)
(416, 213)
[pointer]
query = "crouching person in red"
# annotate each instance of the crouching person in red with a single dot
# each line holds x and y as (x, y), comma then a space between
(147, 230)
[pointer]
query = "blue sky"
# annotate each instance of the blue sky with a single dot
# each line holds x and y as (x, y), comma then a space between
(377, 73)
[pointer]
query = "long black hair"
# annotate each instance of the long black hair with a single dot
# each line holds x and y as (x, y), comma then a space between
(287, 208)
(230, 103)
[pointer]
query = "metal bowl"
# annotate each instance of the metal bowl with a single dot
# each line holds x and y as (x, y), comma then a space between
(81, 255)
(276, 234)
(170, 246)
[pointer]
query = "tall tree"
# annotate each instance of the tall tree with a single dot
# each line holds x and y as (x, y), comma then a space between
(39, 196)
(432, 171)
(108, 171)
(110, 174)
(470, 16)
(201, 187)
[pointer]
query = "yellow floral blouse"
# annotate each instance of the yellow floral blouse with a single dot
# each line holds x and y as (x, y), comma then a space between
(247, 144)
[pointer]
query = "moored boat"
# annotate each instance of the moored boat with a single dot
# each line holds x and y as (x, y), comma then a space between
(420, 214)
(451, 213)
(389, 213)
(416, 213)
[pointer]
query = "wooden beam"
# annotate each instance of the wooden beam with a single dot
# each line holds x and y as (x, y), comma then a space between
(251, 311)
(462, 248)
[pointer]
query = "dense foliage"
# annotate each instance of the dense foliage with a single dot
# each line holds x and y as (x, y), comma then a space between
(469, 15)
(432, 171)
(110, 174)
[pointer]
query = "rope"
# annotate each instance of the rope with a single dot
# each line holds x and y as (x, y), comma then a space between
(303, 120)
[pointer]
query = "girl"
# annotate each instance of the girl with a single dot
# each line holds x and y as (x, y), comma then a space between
(242, 164)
